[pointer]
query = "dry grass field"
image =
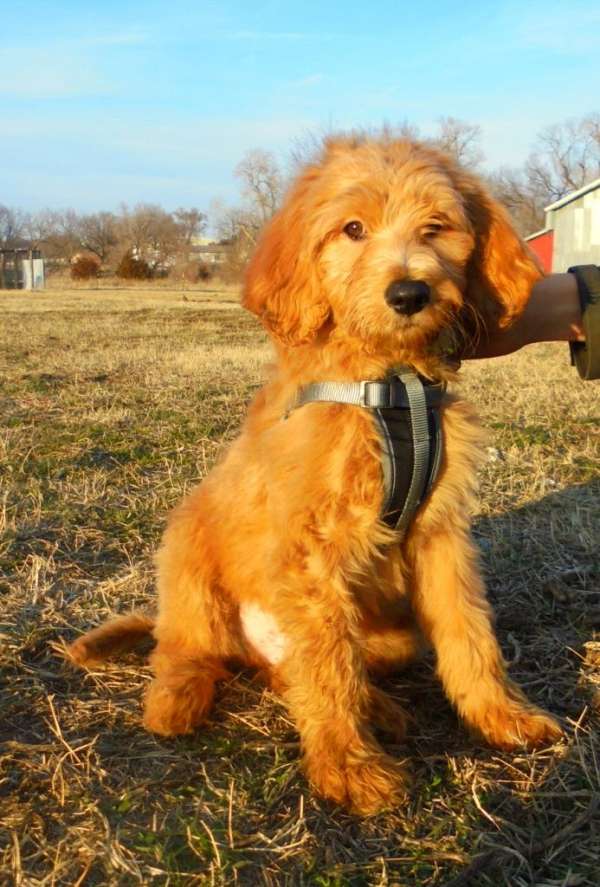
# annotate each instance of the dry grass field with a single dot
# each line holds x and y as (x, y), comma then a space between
(113, 404)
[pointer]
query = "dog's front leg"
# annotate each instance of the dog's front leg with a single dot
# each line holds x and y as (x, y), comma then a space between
(450, 601)
(326, 687)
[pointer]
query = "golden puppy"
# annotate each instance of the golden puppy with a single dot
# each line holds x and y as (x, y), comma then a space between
(280, 558)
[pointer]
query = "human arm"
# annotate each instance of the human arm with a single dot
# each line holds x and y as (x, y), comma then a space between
(552, 314)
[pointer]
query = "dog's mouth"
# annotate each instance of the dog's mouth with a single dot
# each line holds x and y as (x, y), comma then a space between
(424, 312)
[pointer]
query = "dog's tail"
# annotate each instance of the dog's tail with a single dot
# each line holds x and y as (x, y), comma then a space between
(116, 636)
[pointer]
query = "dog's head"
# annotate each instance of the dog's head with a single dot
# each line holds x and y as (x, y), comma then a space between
(391, 243)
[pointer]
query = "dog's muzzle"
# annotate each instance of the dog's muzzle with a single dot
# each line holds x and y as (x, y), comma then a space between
(408, 296)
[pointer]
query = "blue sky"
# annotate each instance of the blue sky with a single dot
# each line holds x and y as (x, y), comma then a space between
(158, 101)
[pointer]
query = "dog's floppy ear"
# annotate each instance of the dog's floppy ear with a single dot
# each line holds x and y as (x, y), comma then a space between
(281, 284)
(502, 269)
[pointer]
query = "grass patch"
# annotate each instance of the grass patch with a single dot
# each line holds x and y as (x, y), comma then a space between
(113, 404)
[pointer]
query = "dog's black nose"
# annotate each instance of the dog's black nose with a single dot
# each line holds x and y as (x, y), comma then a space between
(407, 296)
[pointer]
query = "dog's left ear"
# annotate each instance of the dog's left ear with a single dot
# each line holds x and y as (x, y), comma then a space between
(502, 269)
(281, 284)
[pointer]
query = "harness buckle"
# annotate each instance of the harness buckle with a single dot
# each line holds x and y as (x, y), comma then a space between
(375, 395)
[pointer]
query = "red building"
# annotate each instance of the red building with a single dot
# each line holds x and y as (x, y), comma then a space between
(542, 244)
(572, 232)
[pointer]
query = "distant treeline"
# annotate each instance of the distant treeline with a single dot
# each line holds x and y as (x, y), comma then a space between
(146, 240)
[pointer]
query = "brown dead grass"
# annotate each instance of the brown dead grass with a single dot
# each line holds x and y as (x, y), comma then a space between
(113, 404)
(60, 281)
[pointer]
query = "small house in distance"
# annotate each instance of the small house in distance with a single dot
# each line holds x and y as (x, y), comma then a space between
(571, 235)
(212, 253)
(21, 268)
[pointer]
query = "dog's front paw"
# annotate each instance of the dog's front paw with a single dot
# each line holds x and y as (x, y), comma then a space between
(519, 726)
(364, 784)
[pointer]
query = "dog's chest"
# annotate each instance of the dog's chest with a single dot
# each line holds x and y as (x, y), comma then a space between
(263, 633)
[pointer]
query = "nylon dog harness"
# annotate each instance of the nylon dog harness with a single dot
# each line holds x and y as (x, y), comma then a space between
(405, 409)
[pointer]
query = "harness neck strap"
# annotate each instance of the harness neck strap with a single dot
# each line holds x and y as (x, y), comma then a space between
(391, 394)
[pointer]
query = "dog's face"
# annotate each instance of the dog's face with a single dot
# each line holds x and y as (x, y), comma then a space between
(395, 240)
(391, 244)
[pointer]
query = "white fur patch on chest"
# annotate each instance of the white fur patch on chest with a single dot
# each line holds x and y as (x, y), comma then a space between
(263, 633)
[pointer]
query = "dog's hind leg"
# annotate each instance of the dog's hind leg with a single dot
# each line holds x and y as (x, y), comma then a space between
(387, 651)
(451, 603)
(197, 631)
(181, 695)
(390, 649)
(188, 660)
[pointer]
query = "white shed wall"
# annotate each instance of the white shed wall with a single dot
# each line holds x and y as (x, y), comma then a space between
(576, 232)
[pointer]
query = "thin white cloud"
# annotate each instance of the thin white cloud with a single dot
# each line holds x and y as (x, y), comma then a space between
(570, 29)
(127, 38)
(310, 80)
(266, 35)
(153, 146)
(278, 35)
(47, 73)
(61, 69)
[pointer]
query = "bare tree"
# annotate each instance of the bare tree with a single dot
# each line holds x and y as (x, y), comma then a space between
(591, 126)
(12, 225)
(99, 233)
(149, 233)
(239, 229)
(522, 198)
(233, 222)
(461, 140)
(565, 157)
(57, 231)
(191, 223)
(262, 183)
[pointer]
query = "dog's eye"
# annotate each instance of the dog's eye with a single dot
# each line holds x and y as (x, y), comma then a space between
(355, 230)
(433, 228)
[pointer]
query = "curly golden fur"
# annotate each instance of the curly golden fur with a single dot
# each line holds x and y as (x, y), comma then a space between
(279, 558)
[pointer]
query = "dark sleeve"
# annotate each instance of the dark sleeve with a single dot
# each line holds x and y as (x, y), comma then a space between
(586, 355)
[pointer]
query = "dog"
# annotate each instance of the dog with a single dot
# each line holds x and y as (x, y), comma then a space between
(280, 559)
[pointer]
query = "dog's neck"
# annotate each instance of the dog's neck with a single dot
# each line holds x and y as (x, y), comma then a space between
(350, 360)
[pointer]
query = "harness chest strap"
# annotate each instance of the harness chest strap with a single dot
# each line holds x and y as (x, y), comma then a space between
(406, 413)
